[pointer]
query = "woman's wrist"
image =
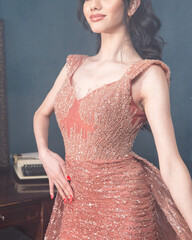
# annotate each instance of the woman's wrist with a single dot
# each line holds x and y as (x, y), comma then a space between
(43, 151)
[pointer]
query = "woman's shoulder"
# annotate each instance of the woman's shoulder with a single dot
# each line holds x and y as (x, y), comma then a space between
(155, 61)
(75, 57)
(155, 66)
(73, 60)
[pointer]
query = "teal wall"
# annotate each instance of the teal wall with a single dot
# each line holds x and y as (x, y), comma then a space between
(39, 36)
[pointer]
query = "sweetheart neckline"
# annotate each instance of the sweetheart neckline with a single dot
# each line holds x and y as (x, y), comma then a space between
(102, 86)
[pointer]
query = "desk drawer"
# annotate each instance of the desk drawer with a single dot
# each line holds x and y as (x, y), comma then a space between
(18, 214)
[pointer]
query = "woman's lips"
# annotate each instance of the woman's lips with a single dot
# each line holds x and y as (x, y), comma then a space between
(96, 17)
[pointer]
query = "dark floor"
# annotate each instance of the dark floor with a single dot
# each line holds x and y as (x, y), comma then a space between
(12, 234)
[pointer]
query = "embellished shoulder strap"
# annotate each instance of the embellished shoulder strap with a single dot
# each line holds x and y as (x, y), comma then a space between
(73, 61)
(146, 63)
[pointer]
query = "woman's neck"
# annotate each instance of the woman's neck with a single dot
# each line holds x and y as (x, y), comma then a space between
(117, 47)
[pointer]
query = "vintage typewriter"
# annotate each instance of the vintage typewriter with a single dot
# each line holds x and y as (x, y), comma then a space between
(28, 166)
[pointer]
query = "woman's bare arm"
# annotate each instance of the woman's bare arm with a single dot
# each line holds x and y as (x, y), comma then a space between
(156, 102)
(54, 165)
(43, 113)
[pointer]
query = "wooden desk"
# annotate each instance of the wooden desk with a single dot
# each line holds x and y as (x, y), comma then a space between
(28, 211)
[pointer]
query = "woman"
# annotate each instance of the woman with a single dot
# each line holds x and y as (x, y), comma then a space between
(101, 102)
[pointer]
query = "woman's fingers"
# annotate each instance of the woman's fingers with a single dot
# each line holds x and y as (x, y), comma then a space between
(65, 186)
(63, 166)
(61, 192)
(51, 188)
(55, 168)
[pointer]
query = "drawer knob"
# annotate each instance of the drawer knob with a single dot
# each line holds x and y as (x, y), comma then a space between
(2, 217)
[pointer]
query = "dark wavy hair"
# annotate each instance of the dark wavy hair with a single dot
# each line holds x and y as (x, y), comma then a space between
(143, 27)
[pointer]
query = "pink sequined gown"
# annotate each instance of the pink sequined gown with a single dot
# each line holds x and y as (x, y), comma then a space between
(118, 195)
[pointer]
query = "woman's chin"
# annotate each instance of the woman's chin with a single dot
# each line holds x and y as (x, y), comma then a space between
(101, 30)
(97, 30)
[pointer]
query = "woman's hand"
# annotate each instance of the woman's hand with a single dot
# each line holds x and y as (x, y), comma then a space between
(55, 168)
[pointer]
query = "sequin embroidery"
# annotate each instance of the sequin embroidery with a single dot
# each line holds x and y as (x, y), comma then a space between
(117, 194)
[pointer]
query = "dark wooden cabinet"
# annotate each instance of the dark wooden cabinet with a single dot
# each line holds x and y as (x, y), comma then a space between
(24, 204)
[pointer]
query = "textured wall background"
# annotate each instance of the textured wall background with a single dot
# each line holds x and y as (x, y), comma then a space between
(39, 36)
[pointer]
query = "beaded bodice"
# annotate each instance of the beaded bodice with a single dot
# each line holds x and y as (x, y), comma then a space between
(104, 123)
